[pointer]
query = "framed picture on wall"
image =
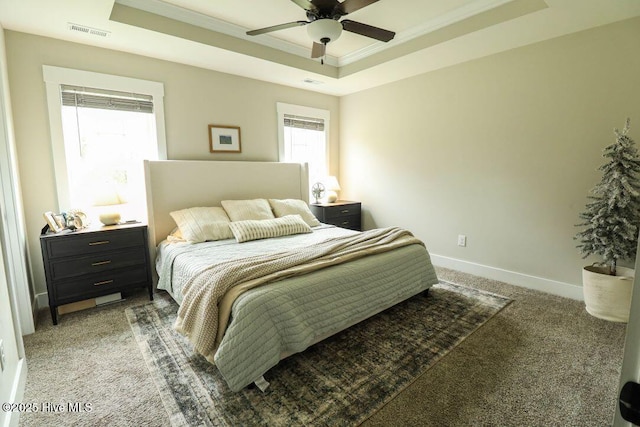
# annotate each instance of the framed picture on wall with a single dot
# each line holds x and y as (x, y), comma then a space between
(224, 139)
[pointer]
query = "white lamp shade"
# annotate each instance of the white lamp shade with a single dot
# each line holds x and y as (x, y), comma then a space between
(331, 183)
(324, 29)
(108, 195)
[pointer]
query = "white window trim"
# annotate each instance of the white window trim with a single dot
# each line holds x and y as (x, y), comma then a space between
(55, 76)
(299, 110)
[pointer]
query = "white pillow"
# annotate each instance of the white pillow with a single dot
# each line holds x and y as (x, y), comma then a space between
(242, 210)
(283, 207)
(245, 231)
(199, 224)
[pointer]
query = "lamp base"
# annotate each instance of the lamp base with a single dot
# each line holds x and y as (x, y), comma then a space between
(110, 218)
(332, 196)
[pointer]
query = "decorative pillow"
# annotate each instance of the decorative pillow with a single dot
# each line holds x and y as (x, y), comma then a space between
(200, 224)
(266, 228)
(242, 210)
(175, 236)
(283, 207)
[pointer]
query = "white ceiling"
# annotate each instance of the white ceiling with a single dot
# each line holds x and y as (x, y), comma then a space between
(210, 34)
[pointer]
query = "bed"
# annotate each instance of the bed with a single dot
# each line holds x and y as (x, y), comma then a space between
(297, 288)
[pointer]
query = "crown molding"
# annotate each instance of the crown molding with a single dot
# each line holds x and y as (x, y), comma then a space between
(198, 19)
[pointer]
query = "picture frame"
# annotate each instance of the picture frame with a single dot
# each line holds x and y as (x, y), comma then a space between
(55, 221)
(224, 139)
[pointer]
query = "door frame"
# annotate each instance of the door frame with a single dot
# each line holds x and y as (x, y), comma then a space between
(631, 360)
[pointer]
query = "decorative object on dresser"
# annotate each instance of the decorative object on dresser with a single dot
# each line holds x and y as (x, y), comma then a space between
(332, 185)
(342, 213)
(224, 139)
(109, 202)
(75, 219)
(317, 191)
(55, 222)
(89, 263)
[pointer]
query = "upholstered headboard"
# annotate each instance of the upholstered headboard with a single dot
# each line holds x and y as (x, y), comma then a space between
(178, 184)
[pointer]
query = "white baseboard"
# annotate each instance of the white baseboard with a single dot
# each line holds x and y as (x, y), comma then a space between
(41, 300)
(554, 287)
(17, 393)
(549, 286)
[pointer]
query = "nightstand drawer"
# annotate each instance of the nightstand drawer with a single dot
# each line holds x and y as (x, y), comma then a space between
(352, 222)
(93, 243)
(98, 284)
(96, 263)
(341, 211)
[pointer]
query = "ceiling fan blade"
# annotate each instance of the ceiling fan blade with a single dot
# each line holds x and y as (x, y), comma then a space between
(276, 28)
(306, 5)
(367, 30)
(318, 50)
(350, 6)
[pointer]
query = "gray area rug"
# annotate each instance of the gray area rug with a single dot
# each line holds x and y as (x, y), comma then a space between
(340, 381)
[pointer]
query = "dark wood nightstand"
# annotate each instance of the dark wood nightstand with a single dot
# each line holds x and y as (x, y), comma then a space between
(342, 213)
(94, 262)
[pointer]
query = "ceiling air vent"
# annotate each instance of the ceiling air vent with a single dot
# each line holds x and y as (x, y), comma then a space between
(88, 30)
(312, 82)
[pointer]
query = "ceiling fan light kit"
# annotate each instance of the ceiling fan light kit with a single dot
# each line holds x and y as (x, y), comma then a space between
(324, 30)
(324, 26)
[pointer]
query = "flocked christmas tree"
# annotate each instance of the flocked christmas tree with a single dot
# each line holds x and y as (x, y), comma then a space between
(612, 217)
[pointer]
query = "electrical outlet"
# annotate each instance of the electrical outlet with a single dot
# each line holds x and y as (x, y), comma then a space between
(462, 240)
(2, 359)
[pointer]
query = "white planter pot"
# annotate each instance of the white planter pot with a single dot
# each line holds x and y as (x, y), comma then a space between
(608, 297)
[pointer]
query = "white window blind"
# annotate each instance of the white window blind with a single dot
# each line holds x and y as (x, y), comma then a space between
(76, 96)
(300, 122)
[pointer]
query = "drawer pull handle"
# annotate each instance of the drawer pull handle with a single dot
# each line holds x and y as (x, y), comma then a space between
(345, 222)
(101, 242)
(344, 211)
(100, 263)
(104, 282)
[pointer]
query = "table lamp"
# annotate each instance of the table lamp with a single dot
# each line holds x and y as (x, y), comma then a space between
(332, 186)
(110, 203)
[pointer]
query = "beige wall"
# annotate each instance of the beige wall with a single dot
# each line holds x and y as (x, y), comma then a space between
(194, 98)
(503, 149)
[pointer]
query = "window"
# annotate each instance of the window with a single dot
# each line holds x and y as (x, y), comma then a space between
(303, 137)
(102, 128)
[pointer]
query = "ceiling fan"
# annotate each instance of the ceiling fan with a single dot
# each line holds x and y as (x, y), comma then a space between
(324, 26)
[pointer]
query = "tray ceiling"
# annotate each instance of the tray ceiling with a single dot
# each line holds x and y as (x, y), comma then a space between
(211, 34)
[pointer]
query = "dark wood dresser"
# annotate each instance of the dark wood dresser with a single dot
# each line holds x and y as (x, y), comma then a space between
(94, 262)
(342, 213)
